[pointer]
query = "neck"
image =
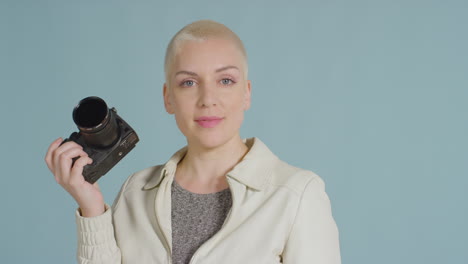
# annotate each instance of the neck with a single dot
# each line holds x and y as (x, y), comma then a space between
(203, 170)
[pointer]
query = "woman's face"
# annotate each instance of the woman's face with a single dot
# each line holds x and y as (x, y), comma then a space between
(207, 91)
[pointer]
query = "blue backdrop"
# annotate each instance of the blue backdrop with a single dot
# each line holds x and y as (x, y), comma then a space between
(371, 95)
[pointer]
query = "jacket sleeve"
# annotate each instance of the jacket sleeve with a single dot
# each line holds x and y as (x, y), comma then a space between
(96, 240)
(314, 237)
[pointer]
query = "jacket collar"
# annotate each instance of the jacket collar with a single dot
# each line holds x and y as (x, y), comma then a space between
(254, 170)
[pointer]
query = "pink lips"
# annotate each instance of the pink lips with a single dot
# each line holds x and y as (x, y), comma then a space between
(208, 121)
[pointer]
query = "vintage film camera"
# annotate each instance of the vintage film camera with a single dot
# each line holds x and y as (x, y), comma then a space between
(103, 134)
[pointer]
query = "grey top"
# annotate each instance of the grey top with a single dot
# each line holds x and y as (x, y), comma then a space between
(195, 219)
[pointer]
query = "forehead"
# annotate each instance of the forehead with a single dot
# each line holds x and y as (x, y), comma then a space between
(198, 55)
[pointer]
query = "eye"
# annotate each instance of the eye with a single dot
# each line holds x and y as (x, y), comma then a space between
(188, 83)
(227, 81)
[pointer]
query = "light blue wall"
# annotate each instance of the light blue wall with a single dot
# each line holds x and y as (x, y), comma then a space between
(371, 95)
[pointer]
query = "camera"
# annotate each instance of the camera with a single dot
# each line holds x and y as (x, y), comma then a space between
(103, 134)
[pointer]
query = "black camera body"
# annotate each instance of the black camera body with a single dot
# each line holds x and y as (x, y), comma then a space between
(103, 134)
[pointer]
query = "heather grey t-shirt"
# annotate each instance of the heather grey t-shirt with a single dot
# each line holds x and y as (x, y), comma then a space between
(195, 219)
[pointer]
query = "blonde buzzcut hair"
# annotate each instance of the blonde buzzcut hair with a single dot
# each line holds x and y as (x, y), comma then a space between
(201, 30)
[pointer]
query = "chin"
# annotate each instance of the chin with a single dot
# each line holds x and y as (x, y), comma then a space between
(211, 141)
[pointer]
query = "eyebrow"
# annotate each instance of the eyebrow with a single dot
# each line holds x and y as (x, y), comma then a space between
(187, 73)
(218, 70)
(226, 68)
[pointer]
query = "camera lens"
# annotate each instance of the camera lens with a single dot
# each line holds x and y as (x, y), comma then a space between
(97, 124)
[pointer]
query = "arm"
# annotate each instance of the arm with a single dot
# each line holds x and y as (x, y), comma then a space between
(96, 240)
(314, 235)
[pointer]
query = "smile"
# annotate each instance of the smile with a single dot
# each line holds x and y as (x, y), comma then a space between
(208, 121)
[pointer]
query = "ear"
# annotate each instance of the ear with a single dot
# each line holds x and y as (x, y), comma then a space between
(247, 95)
(167, 101)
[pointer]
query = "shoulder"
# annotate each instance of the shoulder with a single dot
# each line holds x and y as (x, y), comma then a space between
(135, 183)
(140, 179)
(263, 167)
(293, 178)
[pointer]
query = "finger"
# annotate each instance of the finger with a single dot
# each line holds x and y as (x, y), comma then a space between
(65, 160)
(73, 153)
(60, 150)
(76, 174)
(68, 145)
(48, 157)
(56, 154)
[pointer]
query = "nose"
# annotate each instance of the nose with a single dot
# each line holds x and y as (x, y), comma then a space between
(207, 96)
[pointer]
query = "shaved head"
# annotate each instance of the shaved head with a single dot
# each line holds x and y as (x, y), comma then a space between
(200, 31)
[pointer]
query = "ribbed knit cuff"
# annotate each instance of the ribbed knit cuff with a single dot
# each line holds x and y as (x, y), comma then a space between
(97, 230)
(96, 236)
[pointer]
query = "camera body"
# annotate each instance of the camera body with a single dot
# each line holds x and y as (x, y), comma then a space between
(104, 136)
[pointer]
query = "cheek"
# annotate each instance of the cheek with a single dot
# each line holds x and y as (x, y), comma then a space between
(182, 105)
(183, 121)
(183, 113)
(237, 110)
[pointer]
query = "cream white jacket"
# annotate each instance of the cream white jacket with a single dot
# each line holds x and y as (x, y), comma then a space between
(279, 214)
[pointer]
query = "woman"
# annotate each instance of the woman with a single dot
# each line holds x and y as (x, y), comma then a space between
(220, 199)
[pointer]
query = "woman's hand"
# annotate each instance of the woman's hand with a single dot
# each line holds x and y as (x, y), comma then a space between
(59, 160)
